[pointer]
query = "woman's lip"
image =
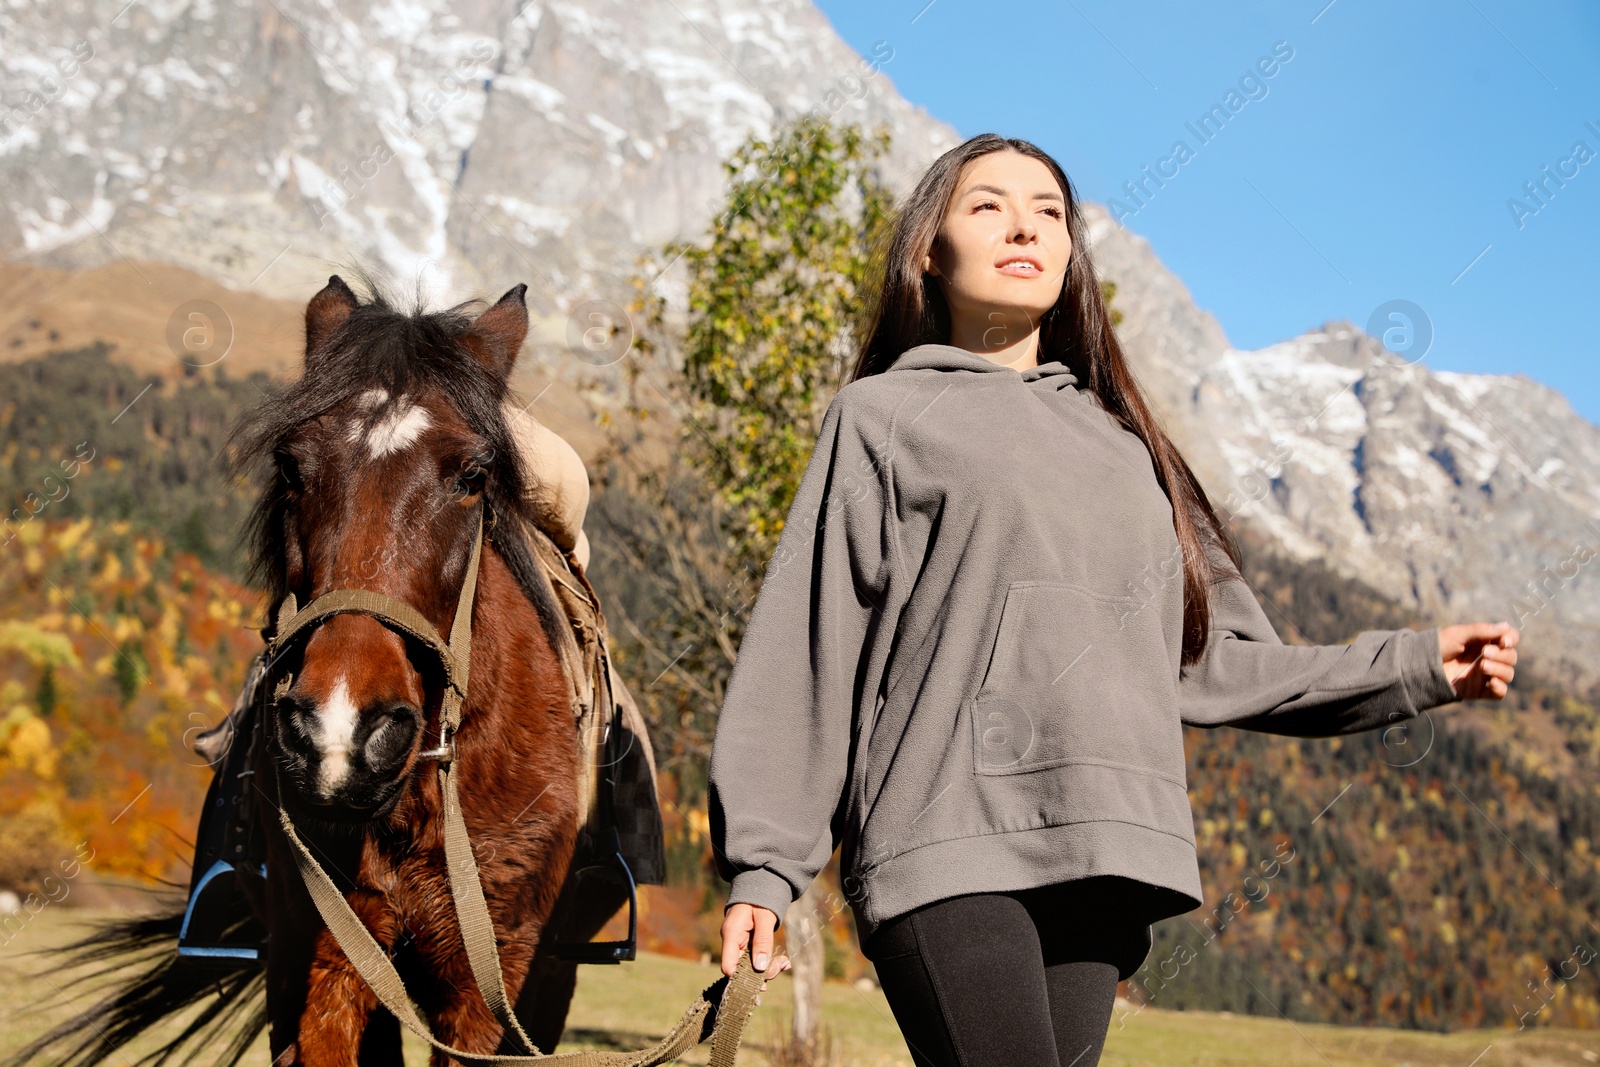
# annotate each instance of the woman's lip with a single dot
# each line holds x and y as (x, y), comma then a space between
(1021, 268)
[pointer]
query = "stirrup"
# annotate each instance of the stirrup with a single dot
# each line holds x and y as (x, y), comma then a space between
(218, 926)
(606, 951)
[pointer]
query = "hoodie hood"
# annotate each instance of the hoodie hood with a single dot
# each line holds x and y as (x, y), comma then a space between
(1054, 374)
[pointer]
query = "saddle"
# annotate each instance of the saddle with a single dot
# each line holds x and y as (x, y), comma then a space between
(620, 828)
(618, 773)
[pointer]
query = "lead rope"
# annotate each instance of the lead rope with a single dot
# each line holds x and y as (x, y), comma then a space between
(472, 910)
(731, 1010)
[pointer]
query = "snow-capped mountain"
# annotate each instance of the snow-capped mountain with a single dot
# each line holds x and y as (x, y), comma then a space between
(473, 144)
(1461, 496)
(476, 143)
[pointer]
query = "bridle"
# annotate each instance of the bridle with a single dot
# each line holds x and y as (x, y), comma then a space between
(454, 656)
(472, 911)
(729, 1007)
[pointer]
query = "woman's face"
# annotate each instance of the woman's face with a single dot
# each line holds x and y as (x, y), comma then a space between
(1002, 250)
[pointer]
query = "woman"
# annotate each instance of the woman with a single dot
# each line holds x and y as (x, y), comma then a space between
(999, 593)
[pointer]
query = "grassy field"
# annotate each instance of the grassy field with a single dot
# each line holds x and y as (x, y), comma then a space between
(630, 1005)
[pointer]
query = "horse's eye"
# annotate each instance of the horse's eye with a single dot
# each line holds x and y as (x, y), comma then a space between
(472, 480)
(288, 469)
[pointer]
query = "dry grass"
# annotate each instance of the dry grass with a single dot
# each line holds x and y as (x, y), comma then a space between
(627, 1006)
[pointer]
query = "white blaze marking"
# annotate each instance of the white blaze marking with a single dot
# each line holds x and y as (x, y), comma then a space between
(336, 730)
(397, 430)
(366, 401)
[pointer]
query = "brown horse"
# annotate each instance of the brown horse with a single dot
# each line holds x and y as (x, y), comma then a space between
(382, 459)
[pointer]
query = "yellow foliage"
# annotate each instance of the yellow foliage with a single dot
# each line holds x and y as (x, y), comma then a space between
(32, 842)
(698, 825)
(173, 681)
(87, 738)
(69, 537)
(166, 630)
(29, 746)
(42, 647)
(13, 719)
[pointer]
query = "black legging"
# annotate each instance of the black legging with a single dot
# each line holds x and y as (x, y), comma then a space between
(1004, 979)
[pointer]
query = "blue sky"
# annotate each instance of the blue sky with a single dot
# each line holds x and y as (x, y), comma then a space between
(1376, 164)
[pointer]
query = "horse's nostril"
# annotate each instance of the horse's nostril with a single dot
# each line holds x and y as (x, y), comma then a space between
(294, 715)
(393, 732)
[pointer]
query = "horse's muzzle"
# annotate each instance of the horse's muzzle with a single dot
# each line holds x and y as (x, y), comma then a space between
(345, 760)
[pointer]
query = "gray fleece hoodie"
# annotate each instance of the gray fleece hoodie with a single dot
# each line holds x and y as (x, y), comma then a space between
(963, 664)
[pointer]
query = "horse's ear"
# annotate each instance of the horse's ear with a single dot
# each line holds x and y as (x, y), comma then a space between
(496, 336)
(326, 312)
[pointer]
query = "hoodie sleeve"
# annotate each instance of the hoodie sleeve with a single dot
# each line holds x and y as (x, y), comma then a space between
(779, 760)
(1248, 678)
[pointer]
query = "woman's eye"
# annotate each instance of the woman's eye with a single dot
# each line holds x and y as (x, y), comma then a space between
(980, 205)
(1053, 212)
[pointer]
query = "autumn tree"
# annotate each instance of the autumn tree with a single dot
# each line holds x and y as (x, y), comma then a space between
(743, 340)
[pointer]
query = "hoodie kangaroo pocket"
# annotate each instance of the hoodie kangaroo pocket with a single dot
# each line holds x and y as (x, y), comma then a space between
(1075, 677)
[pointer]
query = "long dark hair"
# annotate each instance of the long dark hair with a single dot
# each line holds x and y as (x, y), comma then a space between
(910, 310)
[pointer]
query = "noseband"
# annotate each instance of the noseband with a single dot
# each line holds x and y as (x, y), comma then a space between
(455, 656)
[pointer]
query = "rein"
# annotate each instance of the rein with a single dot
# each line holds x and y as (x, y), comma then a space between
(730, 1008)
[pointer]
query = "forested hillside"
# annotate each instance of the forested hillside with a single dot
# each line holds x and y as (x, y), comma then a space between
(149, 448)
(1439, 878)
(1435, 877)
(113, 646)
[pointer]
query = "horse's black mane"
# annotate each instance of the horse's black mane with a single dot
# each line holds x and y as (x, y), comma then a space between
(383, 346)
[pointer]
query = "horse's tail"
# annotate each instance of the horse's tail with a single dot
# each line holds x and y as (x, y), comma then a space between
(134, 965)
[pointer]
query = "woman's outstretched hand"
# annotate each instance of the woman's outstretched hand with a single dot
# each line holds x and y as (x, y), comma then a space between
(748, 924)
(1479, 658)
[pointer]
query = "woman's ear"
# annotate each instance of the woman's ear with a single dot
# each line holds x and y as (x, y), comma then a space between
(928, 266)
